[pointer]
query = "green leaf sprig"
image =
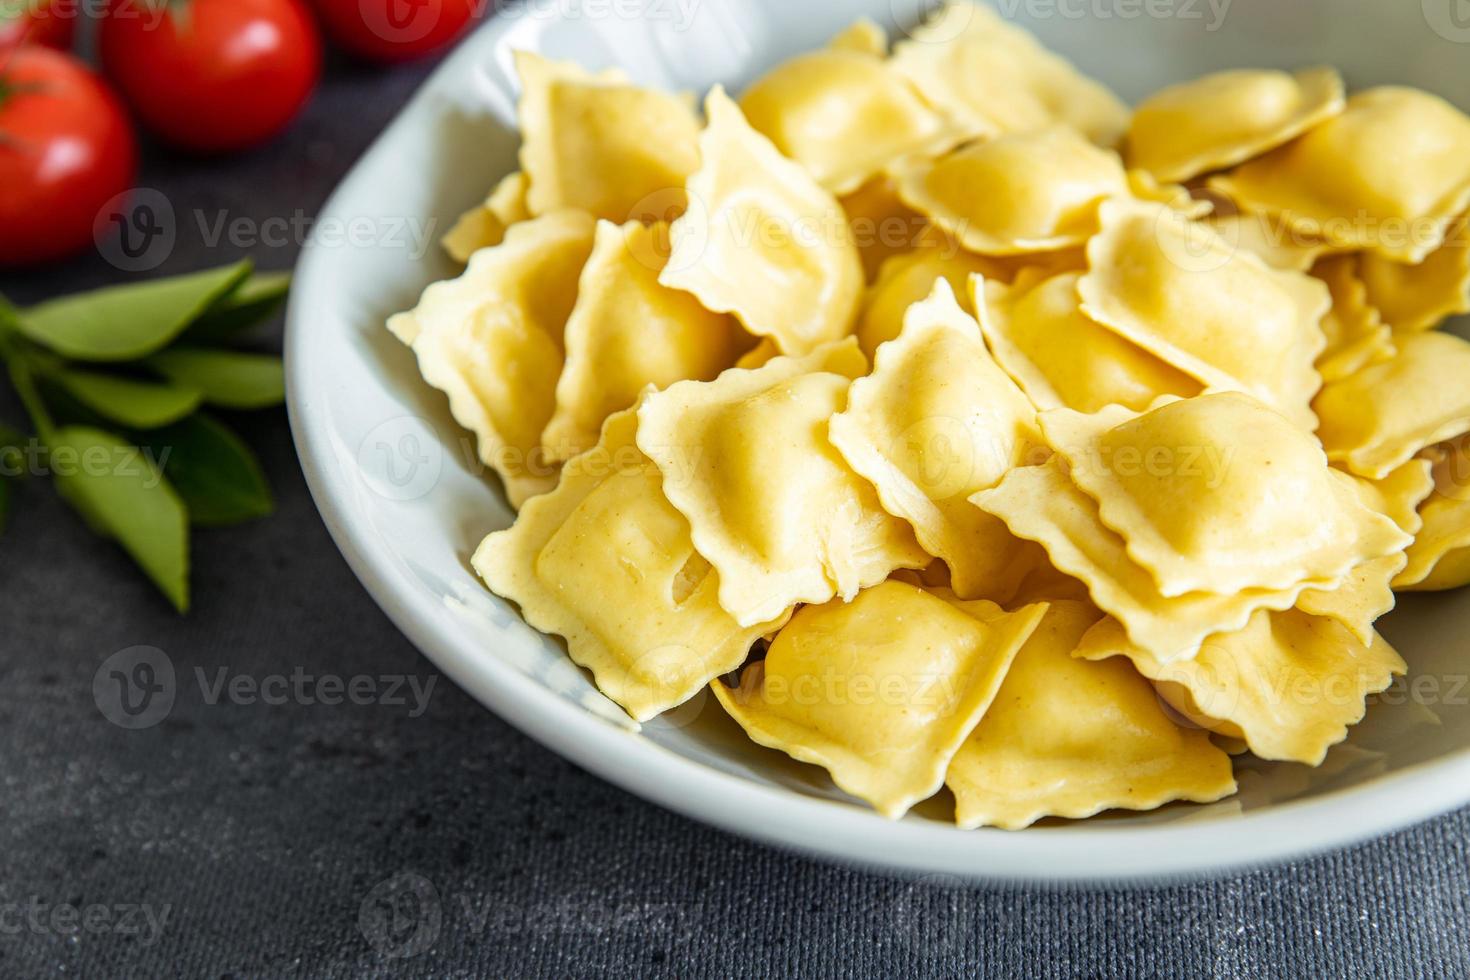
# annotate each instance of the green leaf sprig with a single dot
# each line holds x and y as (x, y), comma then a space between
(116, 383)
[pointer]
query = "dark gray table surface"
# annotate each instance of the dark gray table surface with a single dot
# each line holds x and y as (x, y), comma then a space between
(242, 839)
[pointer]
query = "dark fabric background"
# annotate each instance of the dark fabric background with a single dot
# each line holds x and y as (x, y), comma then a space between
(276, 840)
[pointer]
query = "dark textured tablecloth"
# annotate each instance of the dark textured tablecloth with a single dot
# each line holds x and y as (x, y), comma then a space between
(238, 839)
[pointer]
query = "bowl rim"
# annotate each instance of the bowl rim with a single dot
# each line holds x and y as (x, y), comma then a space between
(1076, 853)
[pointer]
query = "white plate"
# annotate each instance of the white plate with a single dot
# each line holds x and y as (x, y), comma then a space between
(396, 481)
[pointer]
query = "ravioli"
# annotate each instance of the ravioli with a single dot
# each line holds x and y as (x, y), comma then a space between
(485, 225)
(606, 562)
(845, 115)
(646, 143)
(910, 278)
(492, 341)
(936, 422)
(1228, 117)
(627, 332)
(1388, 174)
(880, 691)
(1415, 298)
(1439, 558)
(1267, 238)
(883, 226)
(772, 505)
(1025, 192)
(1220, 494)
(1221, 315)
(1063, 359)
(1356, 333)
(763, 241)
(989, 77)
(1070, 738)
(1042, 504)
(1377, 419)
(1289, 684)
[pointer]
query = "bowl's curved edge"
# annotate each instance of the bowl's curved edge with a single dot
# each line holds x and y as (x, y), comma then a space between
(1073, 855)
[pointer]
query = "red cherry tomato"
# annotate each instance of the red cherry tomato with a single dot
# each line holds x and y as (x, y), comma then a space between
(66, 151)
(396, 30)
(49, 22)
(212, 75)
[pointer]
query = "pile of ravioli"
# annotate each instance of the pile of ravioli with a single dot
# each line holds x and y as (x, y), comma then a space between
(955, 425)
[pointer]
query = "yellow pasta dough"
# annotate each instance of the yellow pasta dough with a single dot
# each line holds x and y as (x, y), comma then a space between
(764, 241)
(1355, 331)
(992, 77)
(485, 225)
(492, 341)
(1219, 314)
(1042, 504)
(1388, 174)
(845, 115)
(907, 279)
(1375, 420)
(772, 505)
(936, 422)
(1228, 117)
(645, 143)
(627, 331)
(883, 226)
(1289, 684)
(1439, 558)
(1063, 359)
(1070, 738)
(1220, 494)
(606, 562)
(1024, 192)
(880, 691)
(1414, 298)
(1278, 245)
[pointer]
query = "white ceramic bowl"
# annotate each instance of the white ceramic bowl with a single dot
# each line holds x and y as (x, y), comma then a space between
(397, 484)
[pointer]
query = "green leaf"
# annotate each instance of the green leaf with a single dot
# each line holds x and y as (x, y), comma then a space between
(123, 323)
(229, 379)
(255, 301)
(215, 473)
(122, 494)
(136, 404)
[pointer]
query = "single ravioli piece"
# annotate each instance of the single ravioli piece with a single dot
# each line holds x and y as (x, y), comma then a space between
(936, 422)
(606, 562)
(1356, 333)
(880, 691)
(990, 76)
(773, 506)
(1070, 738)
(1439, 558)
(1042, 504)
(492, 341)
(1062, 358)
(1035, 191)
(627, 331)
(910, 278)
(485, 225)
(1228, 117)
(845, 115)
(1375, 420)
(1221, 494)
(764, 241)
(1221, 315)
(1289, 684)
(598, 143)
(1415, 298)
(1388, 174)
